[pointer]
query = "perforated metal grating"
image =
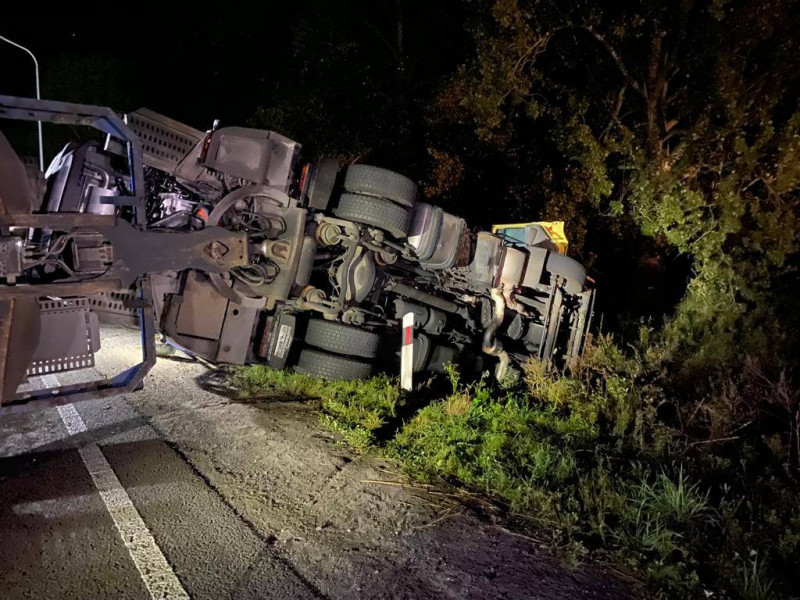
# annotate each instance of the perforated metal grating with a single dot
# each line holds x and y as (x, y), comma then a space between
(115, 307)
(165, 142)
(113, 302)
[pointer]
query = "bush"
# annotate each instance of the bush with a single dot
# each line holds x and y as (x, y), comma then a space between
(591, 458)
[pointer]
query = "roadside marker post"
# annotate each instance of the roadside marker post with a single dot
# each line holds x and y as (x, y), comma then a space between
(407, 352)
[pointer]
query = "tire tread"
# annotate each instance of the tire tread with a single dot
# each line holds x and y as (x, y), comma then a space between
(373, 211)
(375, 181)
(330, 366)
(342, 339)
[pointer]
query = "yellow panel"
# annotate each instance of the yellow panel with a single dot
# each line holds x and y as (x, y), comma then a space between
(554, 229)
(496, 228)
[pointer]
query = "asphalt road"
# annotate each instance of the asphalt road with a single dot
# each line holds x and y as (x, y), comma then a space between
(178, 492)
(59, 539)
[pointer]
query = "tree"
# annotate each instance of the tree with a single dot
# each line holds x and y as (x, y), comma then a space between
(680, 118)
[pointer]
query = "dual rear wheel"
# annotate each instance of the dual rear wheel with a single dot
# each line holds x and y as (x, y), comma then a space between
(337, 351)
(378, 198)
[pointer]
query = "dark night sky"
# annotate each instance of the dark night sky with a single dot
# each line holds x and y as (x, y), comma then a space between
(192, 64)
(196, 64)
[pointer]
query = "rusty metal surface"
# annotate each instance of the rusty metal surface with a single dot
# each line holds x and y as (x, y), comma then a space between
(237, 330)
(11, 252)
(59, 221)
(61, 290)
(213, 250)
(20, 326)
(6, 307)
(202, 347)
(16, 195)
(202, 311)
(137, 252)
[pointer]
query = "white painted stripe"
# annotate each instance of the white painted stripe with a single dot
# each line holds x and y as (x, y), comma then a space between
(50, 381)
(153, 567)
(157, 575)
(72, 420)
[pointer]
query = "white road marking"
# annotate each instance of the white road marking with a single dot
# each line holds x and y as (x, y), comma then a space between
(157, 575)
(72, 420)
(50, 381)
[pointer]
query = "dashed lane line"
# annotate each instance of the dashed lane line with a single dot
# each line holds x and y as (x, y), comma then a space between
(156, 573)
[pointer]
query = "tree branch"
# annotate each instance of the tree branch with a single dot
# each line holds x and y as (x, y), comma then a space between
(543, 41)
(395, 52)
(626, 73)
(615, 114)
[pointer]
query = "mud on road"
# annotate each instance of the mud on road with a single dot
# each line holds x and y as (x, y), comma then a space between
(247, 500)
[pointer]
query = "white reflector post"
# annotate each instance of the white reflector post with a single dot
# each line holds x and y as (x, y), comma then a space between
(407, 352)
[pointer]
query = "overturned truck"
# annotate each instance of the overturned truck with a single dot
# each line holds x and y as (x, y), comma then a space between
(225, 245)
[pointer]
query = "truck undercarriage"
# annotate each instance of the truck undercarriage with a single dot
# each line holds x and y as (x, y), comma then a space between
(225, 245)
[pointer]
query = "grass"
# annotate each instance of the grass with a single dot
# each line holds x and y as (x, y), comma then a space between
(596, 462)
(676, 500)
(754, 584)
(356, 410)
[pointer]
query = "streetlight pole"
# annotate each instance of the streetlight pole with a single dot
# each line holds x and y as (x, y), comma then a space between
(38, 94)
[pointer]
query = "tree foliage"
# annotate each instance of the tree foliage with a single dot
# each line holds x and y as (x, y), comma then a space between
(680, 118)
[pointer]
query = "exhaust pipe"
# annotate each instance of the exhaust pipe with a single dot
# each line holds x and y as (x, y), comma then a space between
(491, 345)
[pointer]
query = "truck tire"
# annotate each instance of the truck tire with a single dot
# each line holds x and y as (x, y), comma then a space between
(342, 339)
(373, 211)
(573, 272)
(329, 366)
(374, 181)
